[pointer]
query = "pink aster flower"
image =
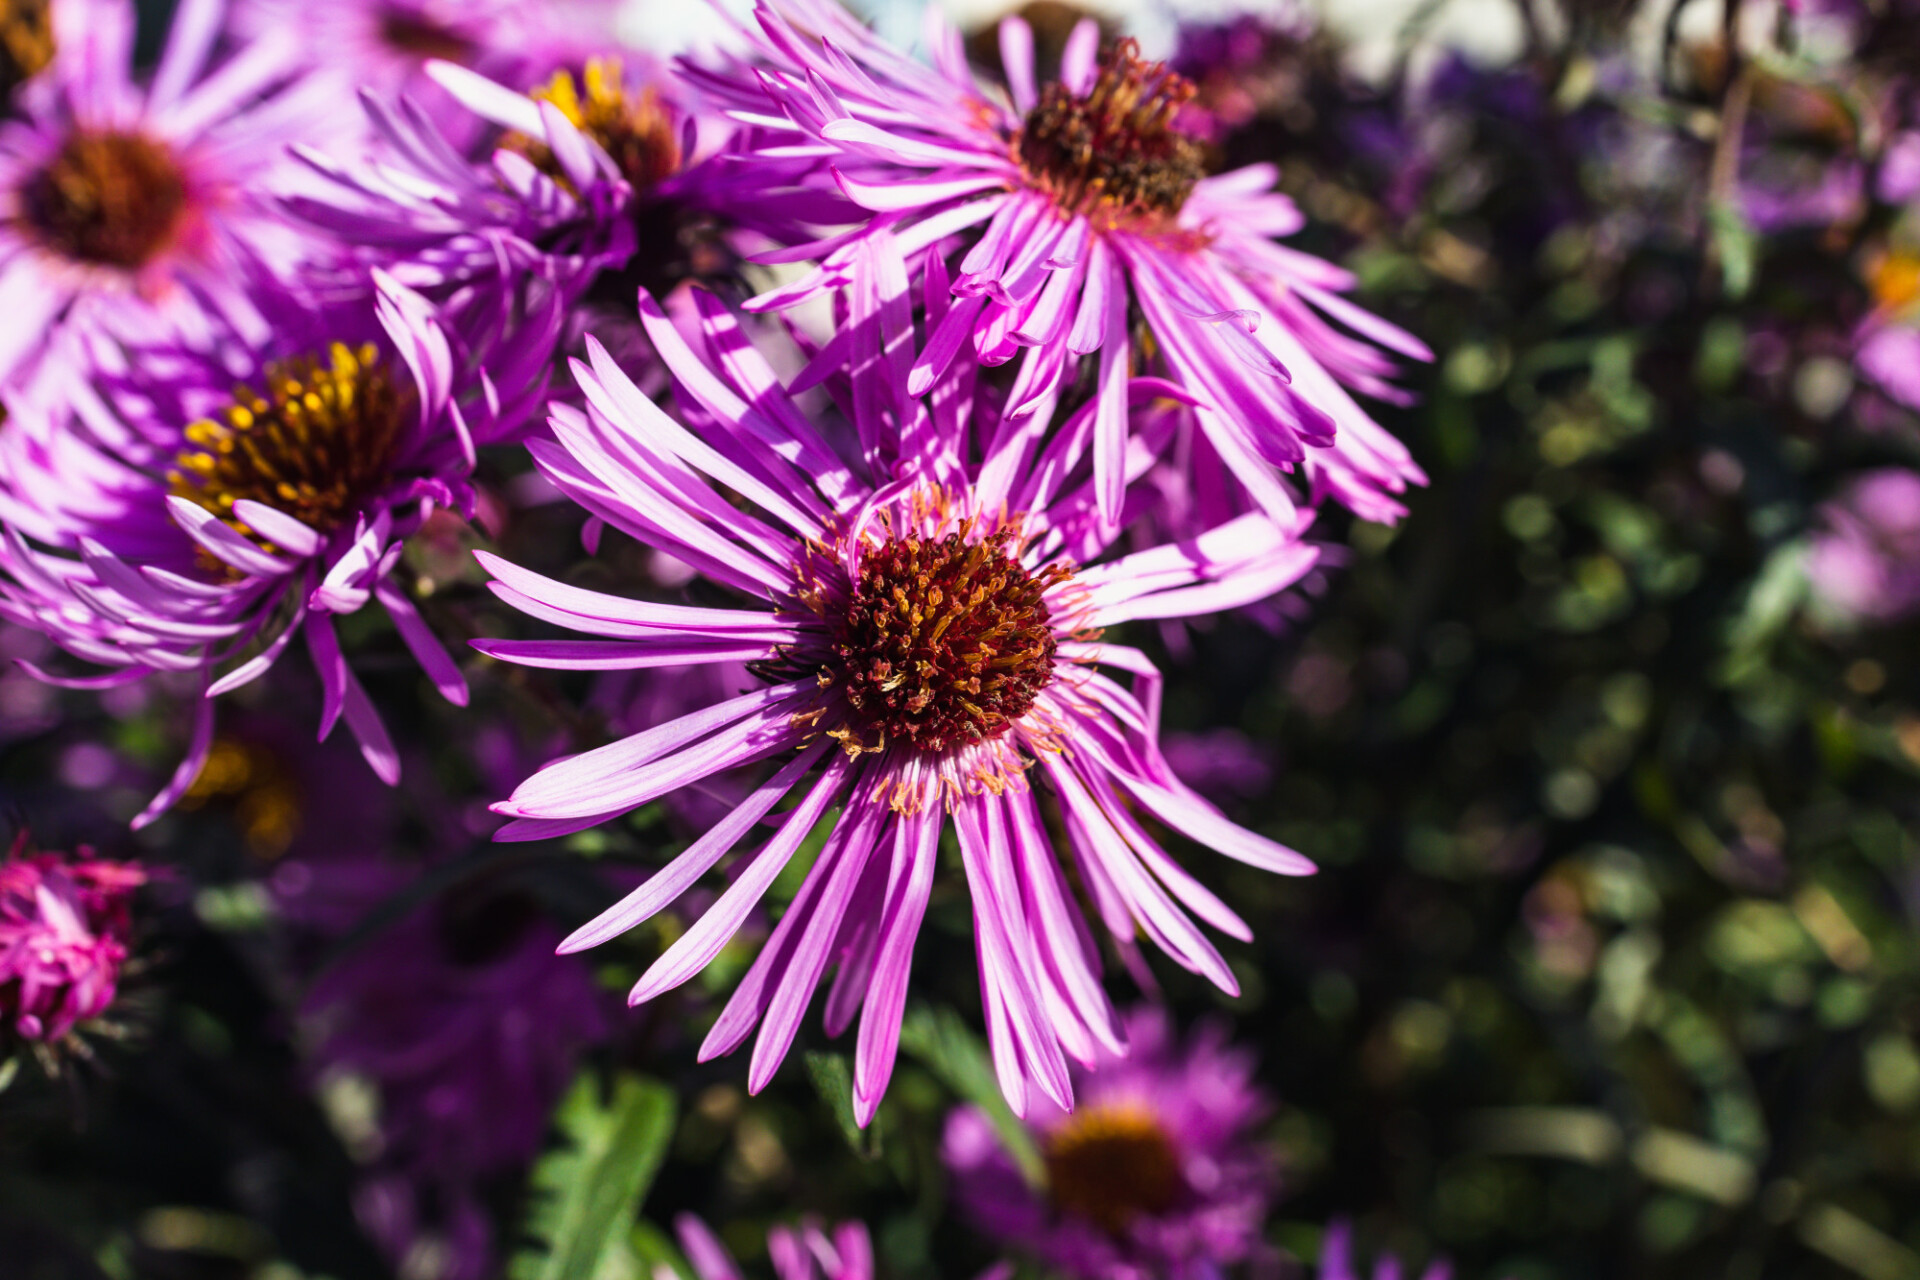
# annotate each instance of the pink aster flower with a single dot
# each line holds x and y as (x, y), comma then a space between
(385, 45)
(927, 636)
(139, 212)
(1336, 1260)
(1070, 209)
(467, 1027)
(177, 522)
(1864, 561)
(601, 174)
(799, 1254)
(803, 1253)
(1156, 1175)
(65, 922)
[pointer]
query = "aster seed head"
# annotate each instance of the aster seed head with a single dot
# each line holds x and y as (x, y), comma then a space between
(1114, 154)
(943, 642)
(1112, 1163)
(107, 196)
(315, 443)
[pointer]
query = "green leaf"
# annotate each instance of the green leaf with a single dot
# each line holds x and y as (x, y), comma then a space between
(587, 1194)
(834, 1081)
(947, 1047)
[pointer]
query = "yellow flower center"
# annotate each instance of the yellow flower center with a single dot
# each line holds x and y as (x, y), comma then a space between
(315, 443)
(636, 130)
(1110, 1163)
(264, 794)
(26, 41)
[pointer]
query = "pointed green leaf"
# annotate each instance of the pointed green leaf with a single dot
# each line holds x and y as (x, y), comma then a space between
(587, 1193)
(946, 1046)
(834, 1083)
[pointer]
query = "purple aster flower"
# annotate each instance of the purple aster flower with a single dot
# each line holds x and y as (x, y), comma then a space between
(65, 923)
(926, 637)
(140, 213)
(457, 1023)
(1156, 1175)
(1223, 764)
(1889, 340)
(1084, 203)
(1864, 561)
(1336, 1260)
(385, 45)
(803, 1253)
(177, 522)
(600, 174)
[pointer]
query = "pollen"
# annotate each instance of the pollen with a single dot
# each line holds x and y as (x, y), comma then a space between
(108, 197)
(635, 129)
(942, 643)
(315, 442)
(1114, 155)
(1112, 1163)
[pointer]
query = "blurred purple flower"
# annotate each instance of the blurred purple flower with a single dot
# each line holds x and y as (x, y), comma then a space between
(1336, 1260)
(1094, 205)
(384, 45)
(65, 923)
(141, 213)
(176, 523)
(998, 675)
(805, 1253)
(1864, 561)
(1156, 1175)
(1221, 764)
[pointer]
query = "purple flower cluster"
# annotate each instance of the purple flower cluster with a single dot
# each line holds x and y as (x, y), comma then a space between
(326, 281)
(65, 929)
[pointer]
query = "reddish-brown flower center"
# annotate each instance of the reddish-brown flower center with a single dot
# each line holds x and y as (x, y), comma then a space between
(412, 32)
(315, 443)
(1114, 153)
(1111, 1163)
(109, 197)
(944, 642)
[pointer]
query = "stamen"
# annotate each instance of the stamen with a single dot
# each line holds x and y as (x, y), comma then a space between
(107, 197)
(1114, 154)
(938, 643)
(1111, 1163)
(315, 445)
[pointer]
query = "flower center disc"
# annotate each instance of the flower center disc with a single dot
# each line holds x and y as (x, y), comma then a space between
(635, 130)
(944, 643)
(107, 197)
(320, 440)
(414, 33)
(1110, 1164)
(1115, 151)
